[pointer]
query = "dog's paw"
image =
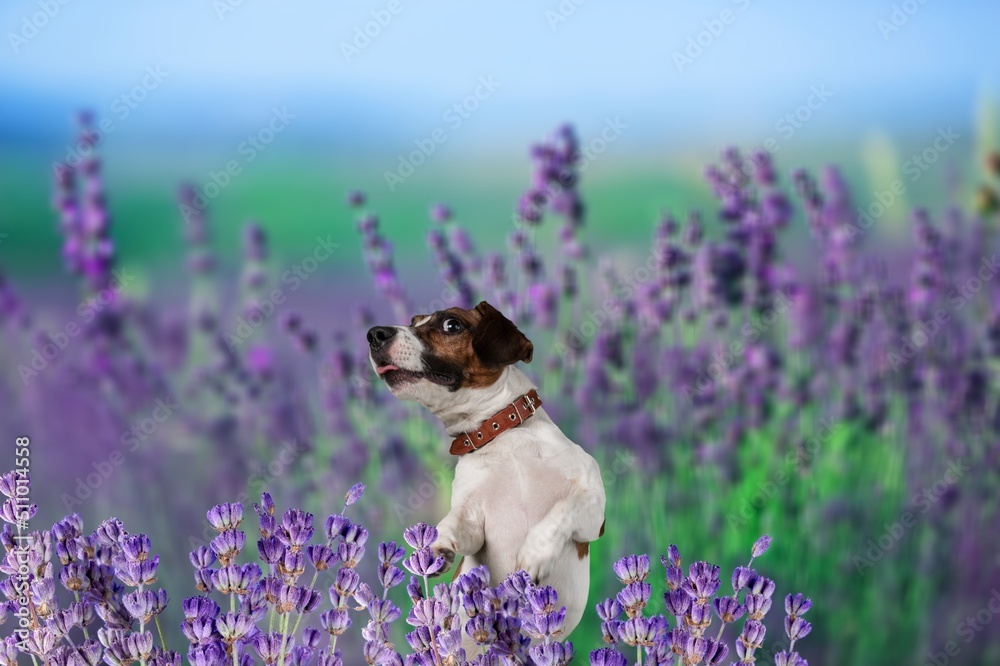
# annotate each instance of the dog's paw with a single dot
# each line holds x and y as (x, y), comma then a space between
(444, 548)
(538, 556)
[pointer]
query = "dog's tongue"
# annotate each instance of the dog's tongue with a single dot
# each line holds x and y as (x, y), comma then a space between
(382, 369)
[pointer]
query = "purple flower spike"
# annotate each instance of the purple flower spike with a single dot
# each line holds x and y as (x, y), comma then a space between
(449, 646)
(346, 582)
(390, 576)
(335, 526)
(292, 565)
(74, 577)
(694, 650)
(609, 609)
(634, 597)
(390, 553)
(757, 606)
(8, 484)
(211, 654)
(288, 598)
(321, 556)
(271, 550)
(552, 654)
(136, 547)
(742, 577)
(134, 574)
(268, 646)
(354, 494)
(233, 626)
(761, 545)
(109, 532)
(797, 605)
(611, 631)
(440, 213)
(607, 657)
(355, 198)
(144, 605)
(202, 558)
(785, 659)
(266, 506)
(728, 609)
(224, 517)
(200, 607)
(296, 528)
(227, 545)
(678, 602)
(203, 579)
(639, 631)
(350, 554)
(420, 535)
(762, 585)
(309, 600)
(414, 590)
(482, 630)
(335, 622)
(715, 652)
(752, 636)
(427, 613)
(268, 525)
(675, 577)
(327, 658)
(699, 616)
(423, 562)
(632, 568)
(355, 533)
(797, 628)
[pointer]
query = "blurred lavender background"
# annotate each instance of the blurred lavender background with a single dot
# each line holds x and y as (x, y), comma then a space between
(204, 206)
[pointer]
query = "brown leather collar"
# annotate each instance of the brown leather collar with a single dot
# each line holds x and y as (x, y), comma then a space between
(513, 415)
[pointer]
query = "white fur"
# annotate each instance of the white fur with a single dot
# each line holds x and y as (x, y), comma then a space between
(406, 350)
(525, 499)
(423, 321)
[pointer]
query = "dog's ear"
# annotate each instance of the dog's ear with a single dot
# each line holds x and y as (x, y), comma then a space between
(497, 341)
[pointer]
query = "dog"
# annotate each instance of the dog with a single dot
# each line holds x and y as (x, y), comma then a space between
(524, 495)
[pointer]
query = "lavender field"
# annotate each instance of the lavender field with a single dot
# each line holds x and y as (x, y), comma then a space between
(755, 248)
(843, 404)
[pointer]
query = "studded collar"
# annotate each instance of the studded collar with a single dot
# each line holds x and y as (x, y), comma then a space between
(511, 416)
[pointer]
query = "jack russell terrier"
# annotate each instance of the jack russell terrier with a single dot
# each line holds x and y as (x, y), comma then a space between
(524, 495)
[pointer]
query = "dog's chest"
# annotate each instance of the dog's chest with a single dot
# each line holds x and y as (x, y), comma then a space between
(519, 477)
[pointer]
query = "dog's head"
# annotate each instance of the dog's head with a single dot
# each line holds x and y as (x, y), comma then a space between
(446, 351)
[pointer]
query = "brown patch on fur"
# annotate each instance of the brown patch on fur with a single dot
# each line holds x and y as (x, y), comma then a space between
(602, 528)
(458, 568)
(582, 548)
(476, 355)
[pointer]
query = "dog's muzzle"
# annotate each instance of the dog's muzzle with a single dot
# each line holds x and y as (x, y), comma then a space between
(378, 336)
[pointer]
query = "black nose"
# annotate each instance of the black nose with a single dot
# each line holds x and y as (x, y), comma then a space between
(379, 335)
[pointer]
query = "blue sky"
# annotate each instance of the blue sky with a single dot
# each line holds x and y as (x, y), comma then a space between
(228, 62)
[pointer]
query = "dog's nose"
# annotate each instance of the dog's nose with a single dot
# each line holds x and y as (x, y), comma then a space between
(379, 335)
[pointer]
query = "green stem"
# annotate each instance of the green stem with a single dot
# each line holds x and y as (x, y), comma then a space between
(284, 639)
(434, 647)
(142, 628)
(159, 630)
(298, 619)
(235, 647)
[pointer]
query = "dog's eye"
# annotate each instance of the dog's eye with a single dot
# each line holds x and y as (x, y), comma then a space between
(451, 325)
